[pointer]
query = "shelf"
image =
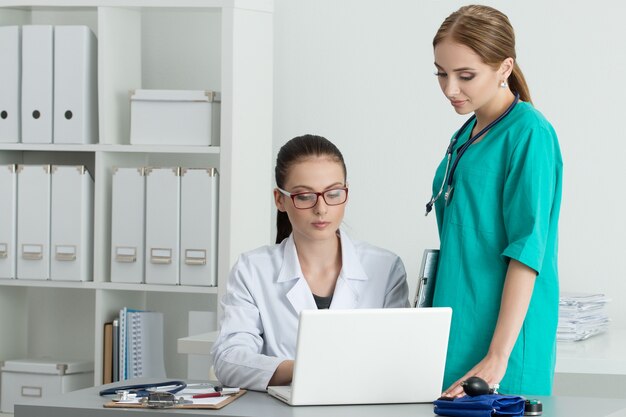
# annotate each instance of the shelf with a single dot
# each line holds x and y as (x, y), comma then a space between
(199, 344)
(151, 44)
(600, 354)
(157, 288)
(47, 284)
(108, 286)
(47, 147)
(258, 5)
(110, 148)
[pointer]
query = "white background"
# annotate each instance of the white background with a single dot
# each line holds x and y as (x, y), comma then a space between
(360, 72)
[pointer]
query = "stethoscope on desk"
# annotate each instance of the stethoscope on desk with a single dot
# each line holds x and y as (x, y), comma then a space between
(143, 390)
(448, 176)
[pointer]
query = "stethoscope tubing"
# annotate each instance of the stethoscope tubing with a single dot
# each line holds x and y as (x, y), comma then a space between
(449, 175)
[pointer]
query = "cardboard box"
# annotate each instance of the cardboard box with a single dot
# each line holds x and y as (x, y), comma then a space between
(174, 117)
(28, 379)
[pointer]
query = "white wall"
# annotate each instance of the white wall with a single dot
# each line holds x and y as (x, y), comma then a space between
(360, 72)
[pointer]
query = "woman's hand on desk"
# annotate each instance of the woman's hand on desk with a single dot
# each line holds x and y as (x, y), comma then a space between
(283, 374)
(492, 369)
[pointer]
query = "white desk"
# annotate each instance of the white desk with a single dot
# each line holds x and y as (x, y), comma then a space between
(600, 354)
(255, 404)
(199, 344)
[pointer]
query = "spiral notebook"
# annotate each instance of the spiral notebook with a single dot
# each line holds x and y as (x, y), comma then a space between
(144, 344)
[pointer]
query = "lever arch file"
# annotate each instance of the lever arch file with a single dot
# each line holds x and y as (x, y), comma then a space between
(8, 220)
(71, 234)
(10, 76)
(75, 85)
(33, 221)
(162, 225)
(127, 225)
(37, 83)
(198, 226)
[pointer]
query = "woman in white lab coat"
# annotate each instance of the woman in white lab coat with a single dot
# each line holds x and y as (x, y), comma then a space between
(314, 265)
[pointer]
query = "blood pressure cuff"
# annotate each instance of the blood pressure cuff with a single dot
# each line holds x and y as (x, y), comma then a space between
(481, 406)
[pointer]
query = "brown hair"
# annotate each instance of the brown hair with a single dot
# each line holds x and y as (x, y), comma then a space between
(294, 151)
(488, 32)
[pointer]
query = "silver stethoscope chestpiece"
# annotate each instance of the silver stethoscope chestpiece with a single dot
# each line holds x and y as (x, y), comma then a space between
(124, 396)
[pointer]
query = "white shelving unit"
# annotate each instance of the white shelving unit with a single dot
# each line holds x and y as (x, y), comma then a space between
(221, 45)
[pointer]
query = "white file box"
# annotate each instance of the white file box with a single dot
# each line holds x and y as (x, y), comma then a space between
(37, 83)
(33, 221)
(24, 380)
(10, 76)
(8, 220)
(71, 223)
(174, 117)
(127, 225)
(75, 85)
(162, 225)
(198, 226)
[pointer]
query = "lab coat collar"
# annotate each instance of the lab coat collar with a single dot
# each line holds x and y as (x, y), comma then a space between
(347, 289)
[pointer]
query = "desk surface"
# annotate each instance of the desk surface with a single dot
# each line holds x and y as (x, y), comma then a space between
(87, 402)
(600, 354)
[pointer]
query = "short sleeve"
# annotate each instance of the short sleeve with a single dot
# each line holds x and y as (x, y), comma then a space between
(532, 182)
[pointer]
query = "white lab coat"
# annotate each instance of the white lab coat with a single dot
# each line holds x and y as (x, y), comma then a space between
(266, 291)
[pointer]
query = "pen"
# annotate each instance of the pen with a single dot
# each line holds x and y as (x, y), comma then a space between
(207, 395)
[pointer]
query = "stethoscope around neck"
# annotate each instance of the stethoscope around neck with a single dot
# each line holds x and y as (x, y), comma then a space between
(449, 176)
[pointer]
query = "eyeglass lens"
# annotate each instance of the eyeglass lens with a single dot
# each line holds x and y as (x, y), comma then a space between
(331, 197)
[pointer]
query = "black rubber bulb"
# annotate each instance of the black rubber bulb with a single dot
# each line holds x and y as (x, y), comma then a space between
(474, 386)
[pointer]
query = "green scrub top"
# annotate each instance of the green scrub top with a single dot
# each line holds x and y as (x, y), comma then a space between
(505, 205)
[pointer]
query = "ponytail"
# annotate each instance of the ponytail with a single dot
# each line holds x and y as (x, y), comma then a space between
(518, 85)
(283, 226)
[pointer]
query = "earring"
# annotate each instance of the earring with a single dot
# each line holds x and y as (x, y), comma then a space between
(503, 84)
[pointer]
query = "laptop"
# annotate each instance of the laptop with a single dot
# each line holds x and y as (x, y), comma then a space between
(368, 356)
(427, 276)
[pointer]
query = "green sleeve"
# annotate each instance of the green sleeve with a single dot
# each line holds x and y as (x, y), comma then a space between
(528, 196)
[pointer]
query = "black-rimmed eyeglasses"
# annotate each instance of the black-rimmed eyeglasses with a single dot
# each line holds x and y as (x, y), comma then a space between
(307, 200)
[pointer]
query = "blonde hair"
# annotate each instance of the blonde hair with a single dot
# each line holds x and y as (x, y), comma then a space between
(488, 32)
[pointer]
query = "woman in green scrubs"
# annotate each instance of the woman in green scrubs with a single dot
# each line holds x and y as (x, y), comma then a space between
(498, 225)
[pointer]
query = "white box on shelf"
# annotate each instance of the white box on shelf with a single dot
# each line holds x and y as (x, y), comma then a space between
(33, 221)
(175, 117)
(198, 226)
(162, 225)
(127, 225)
(37, 83)
(8, 220)
(75, 85)
(29, 379)
(71, 223)
(10, 75)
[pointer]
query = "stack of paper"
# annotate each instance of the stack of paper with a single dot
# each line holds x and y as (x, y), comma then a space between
(581, 316)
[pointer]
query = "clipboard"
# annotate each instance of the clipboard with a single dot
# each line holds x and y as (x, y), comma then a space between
(427, 278)
(196, 405)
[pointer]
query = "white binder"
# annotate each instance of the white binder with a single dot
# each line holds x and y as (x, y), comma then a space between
(198, 226)
(162, 225)
(10, 75)
(75, 85)
(127, 225)
(33, 221)
(8, 220)
(37, 83)
(71, 224)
